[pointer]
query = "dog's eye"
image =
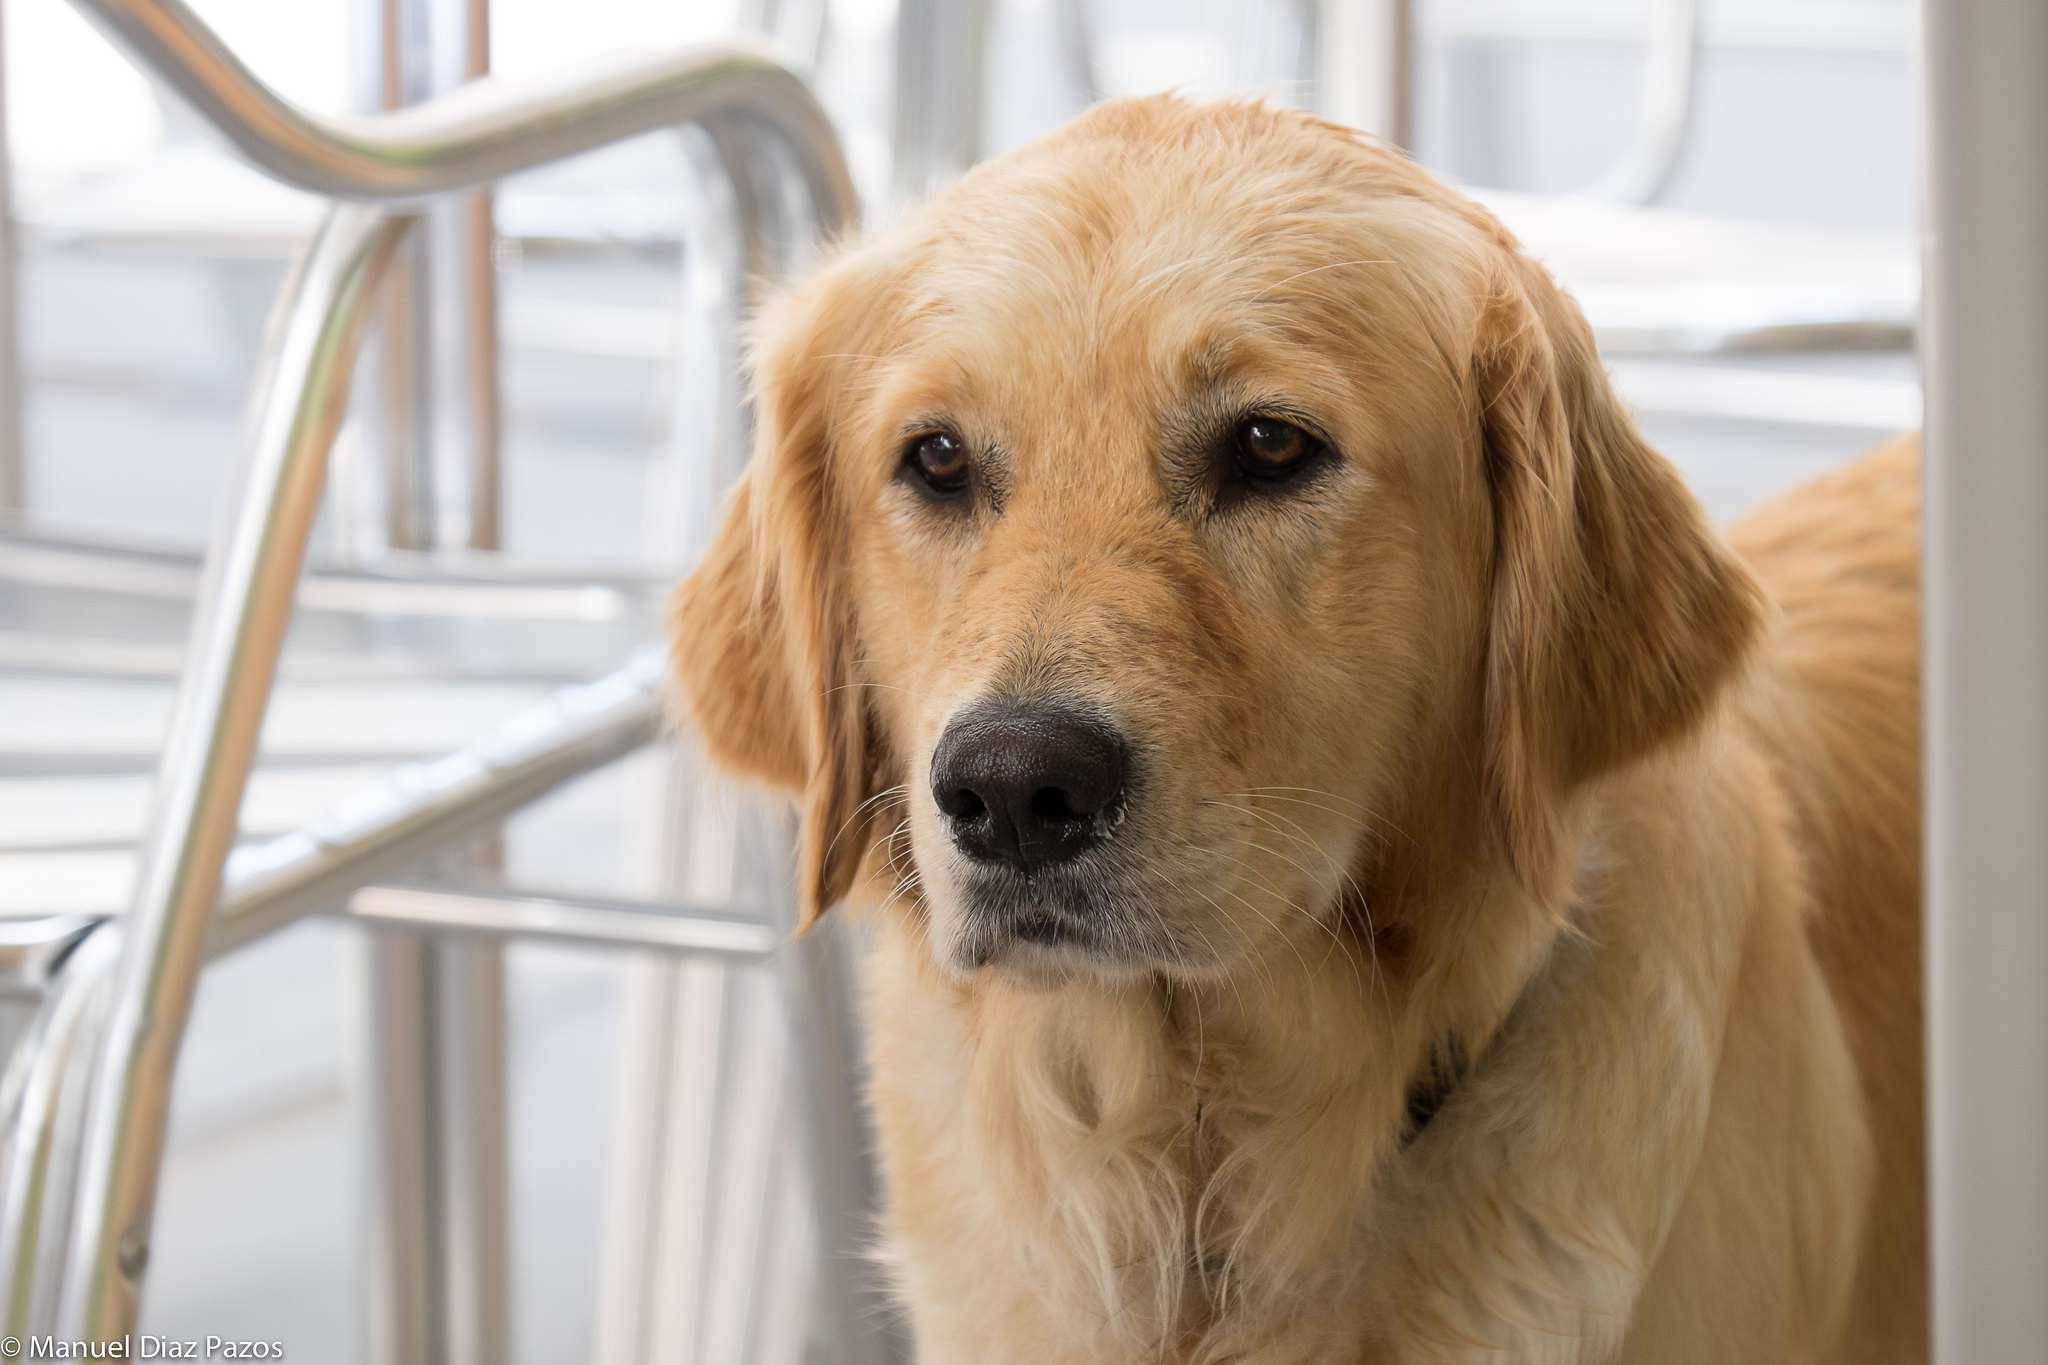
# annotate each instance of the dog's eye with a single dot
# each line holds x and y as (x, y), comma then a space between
(1269, 449)
(940, 459)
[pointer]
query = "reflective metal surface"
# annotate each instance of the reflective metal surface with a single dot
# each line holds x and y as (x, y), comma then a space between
(88, 1099)
(32, 951)
(43, 1102)
(244, 608)
(485, 131)
(1364, 64)
(82, 1258)
(434, 1009)
(1671, 60)
(665, 928)
(941, 72)
(397, 585)
(426, 806)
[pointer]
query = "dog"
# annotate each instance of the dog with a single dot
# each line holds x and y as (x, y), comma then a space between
(1356, 869)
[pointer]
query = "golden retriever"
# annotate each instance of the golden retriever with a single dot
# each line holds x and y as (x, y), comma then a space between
(1359, 870)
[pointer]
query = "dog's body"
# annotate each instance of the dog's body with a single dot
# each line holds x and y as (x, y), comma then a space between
(1449, 910)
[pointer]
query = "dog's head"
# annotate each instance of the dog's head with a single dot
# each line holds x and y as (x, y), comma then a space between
(1173, 523)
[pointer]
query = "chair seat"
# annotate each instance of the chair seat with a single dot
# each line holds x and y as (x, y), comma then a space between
(1659, 281)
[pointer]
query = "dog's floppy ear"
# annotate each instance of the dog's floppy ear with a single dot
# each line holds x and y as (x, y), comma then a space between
(1617, 612)
(762, 632)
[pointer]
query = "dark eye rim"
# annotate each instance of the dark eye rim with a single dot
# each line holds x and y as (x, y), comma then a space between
(1251, 472)
(913, 467)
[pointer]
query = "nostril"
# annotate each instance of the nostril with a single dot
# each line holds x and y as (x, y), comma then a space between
(1056, 805)
(962, 804)
(1050, 803)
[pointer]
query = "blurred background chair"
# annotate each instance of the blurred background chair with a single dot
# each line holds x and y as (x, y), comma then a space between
(496, 1055)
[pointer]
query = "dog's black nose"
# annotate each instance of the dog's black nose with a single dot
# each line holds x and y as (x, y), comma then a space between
(1026, 785)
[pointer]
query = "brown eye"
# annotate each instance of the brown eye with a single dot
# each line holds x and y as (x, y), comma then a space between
(940, 459)
(1268, 448)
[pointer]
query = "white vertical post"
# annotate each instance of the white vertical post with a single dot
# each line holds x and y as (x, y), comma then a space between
(1363, 65)
(1986, 586)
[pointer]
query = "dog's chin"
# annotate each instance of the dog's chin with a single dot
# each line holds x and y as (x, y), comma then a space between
(1042, 935)
(1030, 945)
(1037, 967)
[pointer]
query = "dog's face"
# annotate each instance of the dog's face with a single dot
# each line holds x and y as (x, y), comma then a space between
(1151, 577)
(1143, 534)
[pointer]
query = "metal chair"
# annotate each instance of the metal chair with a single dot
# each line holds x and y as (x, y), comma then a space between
(86, 1090)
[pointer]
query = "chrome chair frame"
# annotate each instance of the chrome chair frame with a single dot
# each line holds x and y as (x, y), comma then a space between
(1665, 109)
(87, 1096)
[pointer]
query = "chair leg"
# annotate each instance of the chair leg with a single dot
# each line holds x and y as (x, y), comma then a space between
(439, 1268)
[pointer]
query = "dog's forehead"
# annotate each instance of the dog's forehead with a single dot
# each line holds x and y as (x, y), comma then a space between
(1144, 267)
(1142, 307)
(1101, 254)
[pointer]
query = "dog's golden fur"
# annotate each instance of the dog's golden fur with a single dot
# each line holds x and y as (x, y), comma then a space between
(1478, 762)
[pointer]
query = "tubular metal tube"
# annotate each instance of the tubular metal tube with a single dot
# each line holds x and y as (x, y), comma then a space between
(434, 1011)
(941, 58)
(1986, 585)
(482, 424)
(466, 297)
(397, 72)
(434, 805)
(439, 1211)
(42, 1119)
(473, 1156)
(472, 136)
(819, 990)
(665, 928)
(802, 26)
(436, 1007)
(244, 608)
(404, 397)
(404, 1293)
(1077, 47)
(484, 131)
(1670, 75)
(1364, 51)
